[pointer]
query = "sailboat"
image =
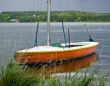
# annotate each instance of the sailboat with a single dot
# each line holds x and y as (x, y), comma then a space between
(54, 53)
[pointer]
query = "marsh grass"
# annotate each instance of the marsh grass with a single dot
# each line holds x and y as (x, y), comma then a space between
(15, 75)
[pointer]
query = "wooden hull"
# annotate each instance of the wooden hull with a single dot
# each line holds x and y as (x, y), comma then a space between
(35, 57)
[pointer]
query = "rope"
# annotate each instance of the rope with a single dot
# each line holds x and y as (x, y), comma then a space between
(89, 34)
(36, 38)
(69, 37)
(64, 32)
(67, 5)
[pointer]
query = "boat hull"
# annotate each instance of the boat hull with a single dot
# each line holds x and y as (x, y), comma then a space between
(69, 65)
(36, 57)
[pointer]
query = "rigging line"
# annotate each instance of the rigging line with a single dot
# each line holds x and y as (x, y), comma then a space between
(69, 37)
(57, 3)
(34, 9)
(34, 5)
(90, 36)
(36, 38)
(37, 12)
(34, 13)
(64, 33)
(67, 5)
(37, 6)
(31, 25)
(60, 6)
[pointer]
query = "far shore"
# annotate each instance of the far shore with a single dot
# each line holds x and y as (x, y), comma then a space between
(55, 23)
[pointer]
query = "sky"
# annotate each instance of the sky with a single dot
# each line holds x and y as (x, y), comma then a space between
(101, 6)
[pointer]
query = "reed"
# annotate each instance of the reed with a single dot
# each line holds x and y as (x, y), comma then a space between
(15, 75)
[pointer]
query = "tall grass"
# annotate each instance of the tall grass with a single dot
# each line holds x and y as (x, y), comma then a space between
(15, 75)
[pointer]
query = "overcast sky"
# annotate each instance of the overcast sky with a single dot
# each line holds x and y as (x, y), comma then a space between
(73, 5)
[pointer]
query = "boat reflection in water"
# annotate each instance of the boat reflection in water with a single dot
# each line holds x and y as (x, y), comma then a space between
(66, 66)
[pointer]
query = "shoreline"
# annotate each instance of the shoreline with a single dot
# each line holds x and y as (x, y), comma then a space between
(55, 23)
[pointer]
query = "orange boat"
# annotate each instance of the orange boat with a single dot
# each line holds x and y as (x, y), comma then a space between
(51, 53)
(63, 67)
(67, 67)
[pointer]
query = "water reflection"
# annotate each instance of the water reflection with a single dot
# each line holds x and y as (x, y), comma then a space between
(64, 66)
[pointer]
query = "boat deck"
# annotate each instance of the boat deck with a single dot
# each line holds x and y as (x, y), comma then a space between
(75, 46)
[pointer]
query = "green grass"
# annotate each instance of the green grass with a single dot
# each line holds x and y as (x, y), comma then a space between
(15, 75)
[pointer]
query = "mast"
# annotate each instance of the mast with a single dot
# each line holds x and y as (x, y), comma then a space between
(48, 21)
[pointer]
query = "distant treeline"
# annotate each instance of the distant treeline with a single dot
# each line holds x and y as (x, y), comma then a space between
(66, 16)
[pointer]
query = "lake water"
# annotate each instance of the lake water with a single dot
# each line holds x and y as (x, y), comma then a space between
(16, 36)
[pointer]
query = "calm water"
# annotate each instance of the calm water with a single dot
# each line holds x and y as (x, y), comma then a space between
(14, 37)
